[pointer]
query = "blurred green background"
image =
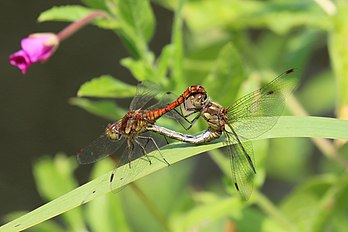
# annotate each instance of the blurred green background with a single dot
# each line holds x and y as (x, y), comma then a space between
(251, 41)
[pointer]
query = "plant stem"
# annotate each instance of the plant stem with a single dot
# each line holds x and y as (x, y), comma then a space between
(267, 206)
(75, 26)
(150, 206)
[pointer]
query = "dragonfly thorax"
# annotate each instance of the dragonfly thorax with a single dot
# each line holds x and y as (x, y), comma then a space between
(215, 115)
(112, 131)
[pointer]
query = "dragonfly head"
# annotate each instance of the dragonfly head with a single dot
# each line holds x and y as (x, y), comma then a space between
(197, 100)
(112, 131)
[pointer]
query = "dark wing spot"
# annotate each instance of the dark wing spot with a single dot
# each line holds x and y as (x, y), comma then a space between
(111, 177)
(290, 71)
(236, 185)
(270, 92)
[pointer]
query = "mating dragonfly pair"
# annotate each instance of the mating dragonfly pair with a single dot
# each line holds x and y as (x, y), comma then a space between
(247, 118)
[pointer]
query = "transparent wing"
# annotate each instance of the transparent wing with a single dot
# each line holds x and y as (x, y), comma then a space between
(146, 91)
(242, 165)
(98, 149)
(133, 161)
(257, 112)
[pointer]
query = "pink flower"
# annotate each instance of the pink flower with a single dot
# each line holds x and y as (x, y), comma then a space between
(35, 48)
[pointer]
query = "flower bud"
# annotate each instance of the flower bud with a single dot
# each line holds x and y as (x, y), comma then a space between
(35, 48)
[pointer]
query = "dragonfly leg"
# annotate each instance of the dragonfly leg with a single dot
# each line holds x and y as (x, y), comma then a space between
(192, 122)
(158, 149)
(130, 152)
(143, 148)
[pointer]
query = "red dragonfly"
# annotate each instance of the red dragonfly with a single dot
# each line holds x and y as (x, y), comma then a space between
(247, 118)
(132, 128)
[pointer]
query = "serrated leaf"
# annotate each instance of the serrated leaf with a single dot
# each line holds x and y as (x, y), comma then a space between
(286, 127)
(72, 13)
(106, 109)
(106, 86)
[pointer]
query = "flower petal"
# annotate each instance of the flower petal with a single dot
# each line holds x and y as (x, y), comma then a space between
(21, 60)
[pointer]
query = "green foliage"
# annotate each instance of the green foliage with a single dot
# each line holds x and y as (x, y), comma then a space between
(72, 13)
(106, 86)
(230, 47)
(103, 108)
(228, 63)
(61, 179)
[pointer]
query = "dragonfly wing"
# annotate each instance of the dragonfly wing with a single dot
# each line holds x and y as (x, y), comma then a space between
(242, 165)
(146, 91)
(98, 149)
(257, 112)
(133, 162)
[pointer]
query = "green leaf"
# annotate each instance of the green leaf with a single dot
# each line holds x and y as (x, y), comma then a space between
(334, 202)
(72, 13)
(106, 213)
(294, 156)
(54, 178)
(137, 24)
(42, 227)
(200, 60)
(226, 76)
(106, 86)
(137, 18)
(164, 193)
(163, 62)
(321, 83)
(302, 207)
(286, 127)
(177, 41)
(106, 109)
(140, 70)
(338, 49)
(278, 16)
(96, 4)
(210, 212)
(284, 52)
